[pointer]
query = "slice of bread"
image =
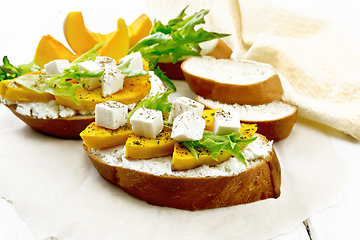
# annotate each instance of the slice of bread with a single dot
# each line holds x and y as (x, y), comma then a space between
(232, 81)
(216, 48)
(274, 120)
(68, 127)
(227, 184)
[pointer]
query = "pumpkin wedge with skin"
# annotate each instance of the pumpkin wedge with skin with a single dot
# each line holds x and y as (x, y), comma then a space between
(134, 90)
(139, 29)
(49, 49)
(95, 136)
(79, 38)
(9, 90)
(117, 46)
(138, 147)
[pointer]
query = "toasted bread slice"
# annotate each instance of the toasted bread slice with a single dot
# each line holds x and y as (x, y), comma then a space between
(274, 120)
(216, 48)
(227, 184)
(232, 81)
(68, 127)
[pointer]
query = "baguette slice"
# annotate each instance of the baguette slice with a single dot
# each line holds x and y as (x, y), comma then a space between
(232, 81)
(216, 48)
(67, 128)
(200, 188)
(274, 120)
(71, 127)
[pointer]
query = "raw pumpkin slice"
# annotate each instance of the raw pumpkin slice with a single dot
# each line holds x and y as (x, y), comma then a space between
(139, 29)
(118, 45)
(79, 38)
(9, 90)
(139, 147)
(183, 159)
(134, 90)
(95, 136)
(49, 49)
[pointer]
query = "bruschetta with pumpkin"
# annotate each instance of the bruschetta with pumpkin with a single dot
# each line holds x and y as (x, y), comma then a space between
(181, 156)
(60, 99)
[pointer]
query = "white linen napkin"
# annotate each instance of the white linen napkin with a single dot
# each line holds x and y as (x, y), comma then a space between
(318, 58)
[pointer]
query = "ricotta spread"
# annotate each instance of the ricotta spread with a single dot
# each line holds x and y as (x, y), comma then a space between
(254, 153)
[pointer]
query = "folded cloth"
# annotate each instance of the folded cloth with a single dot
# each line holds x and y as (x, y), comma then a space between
(318, 58)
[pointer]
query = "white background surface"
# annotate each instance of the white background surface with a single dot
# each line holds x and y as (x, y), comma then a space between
(23, 29)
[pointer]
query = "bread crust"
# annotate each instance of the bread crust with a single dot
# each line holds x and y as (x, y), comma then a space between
(275, 129)
(174, 71)
(190, 193)
(67, 128)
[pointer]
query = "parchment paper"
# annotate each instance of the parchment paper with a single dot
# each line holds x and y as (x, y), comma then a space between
(57, 192)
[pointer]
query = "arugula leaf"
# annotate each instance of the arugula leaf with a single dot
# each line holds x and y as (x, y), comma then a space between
(231, 143)
(167, 82)
(157, 102)
(89, 55)
(9, 71)
(178, 38)
(175, 41)
(160, 74)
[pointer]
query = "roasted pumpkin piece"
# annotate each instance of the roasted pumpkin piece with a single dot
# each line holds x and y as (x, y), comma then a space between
(208, 115)
(95, 136)
(134, 90)
(138, 147)
(183, 159)
(248, 130)
(9, 90)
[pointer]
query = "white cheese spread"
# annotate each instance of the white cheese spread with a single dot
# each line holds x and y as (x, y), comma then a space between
(254, 153)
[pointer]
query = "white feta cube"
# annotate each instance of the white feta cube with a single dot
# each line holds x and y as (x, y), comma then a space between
(111, 114)
(147, 122)
(183, 104)
(188, 126)
(103, 61)
(56, 66)
(112, 80)
(136, 62)
(92, 67)
(226, 122)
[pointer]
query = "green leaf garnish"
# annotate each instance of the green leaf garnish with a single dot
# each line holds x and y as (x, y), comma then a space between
(231, 143)
(175, 41)
(89, 55)
(9, 71)
(157, 102)
(178, 38)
